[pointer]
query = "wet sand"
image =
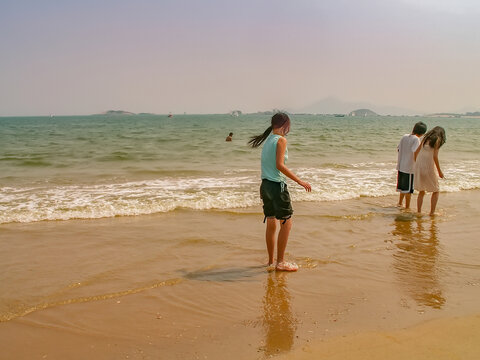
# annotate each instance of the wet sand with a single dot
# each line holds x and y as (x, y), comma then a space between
(445, 339)
(189, 284)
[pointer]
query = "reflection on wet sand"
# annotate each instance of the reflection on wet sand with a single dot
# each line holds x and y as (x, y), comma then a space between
(278, 320)
(417, 259)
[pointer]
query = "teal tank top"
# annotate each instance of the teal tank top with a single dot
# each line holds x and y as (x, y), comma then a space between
(269, 160)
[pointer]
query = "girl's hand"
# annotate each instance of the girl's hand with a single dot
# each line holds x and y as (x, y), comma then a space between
(306, 185)
(440, 173)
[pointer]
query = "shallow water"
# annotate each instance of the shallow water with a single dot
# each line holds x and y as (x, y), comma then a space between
(347, 251)
(186, 279)
(105, 166)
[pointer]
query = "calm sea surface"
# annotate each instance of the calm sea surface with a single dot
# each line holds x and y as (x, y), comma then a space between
(105, 166)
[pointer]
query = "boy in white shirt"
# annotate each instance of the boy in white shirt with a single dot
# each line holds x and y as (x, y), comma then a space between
(406, 162)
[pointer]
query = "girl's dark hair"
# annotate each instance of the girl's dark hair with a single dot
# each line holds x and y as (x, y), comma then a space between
(279, 121)
(435, 137)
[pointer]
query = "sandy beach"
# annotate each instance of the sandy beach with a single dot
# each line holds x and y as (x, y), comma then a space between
(375, 281)
(131, 219)
(454, 338)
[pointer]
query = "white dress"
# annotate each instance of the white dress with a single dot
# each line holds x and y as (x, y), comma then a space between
(425, 178)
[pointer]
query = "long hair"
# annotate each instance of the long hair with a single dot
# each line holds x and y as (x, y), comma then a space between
(435, 137)
(279, 121)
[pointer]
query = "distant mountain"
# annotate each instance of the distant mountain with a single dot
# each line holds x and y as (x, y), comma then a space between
(117, 112)
(473, 114)
(271, 112)
(465, 110)
(331, 105)
(362, 112)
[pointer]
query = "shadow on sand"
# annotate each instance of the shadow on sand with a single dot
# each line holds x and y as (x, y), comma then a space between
(226, 274)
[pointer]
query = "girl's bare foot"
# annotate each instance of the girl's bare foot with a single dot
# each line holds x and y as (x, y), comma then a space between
(286, 266)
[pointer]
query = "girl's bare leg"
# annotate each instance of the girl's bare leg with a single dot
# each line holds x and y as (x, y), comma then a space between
(434, 201)
(400, 199)
(270, 238)
(283, 238)
(421, 194)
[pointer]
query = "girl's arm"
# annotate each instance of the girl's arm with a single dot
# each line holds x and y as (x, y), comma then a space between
(435, 160)
(281, 147)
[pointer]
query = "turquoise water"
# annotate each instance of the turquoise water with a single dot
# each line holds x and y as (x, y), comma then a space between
(103, 166)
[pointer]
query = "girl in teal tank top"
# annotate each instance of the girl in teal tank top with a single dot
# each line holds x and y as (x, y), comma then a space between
(273, 191)
(269, 160)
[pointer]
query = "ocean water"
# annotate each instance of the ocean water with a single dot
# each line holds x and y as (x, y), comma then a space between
(87, 167)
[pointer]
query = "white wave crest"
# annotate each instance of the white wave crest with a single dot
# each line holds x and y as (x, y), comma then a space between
(61, 202)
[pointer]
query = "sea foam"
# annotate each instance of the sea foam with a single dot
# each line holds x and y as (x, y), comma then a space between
(231, 190)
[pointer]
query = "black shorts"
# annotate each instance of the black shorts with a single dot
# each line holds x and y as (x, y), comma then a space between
(276, 203)
(405, 182)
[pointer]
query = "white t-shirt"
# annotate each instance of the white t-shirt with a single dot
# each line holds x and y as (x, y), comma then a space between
(406, 148)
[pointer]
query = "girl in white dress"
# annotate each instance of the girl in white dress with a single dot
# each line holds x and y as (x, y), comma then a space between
(426, 160)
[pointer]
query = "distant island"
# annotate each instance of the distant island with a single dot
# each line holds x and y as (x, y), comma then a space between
(116, 112)
(362, 112)
(271, 112)
(332, 105)
(475, 114)
(122, 112)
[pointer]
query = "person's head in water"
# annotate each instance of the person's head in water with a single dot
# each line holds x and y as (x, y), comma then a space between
(229, 137)
(280, 122)
(419, 129)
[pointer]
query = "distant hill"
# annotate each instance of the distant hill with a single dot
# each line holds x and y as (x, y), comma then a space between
(331, 105)
(473, 114)
(271, 112)
(117, 112)
(362, 112)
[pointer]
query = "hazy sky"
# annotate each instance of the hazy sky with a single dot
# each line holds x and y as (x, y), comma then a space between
(200, 56)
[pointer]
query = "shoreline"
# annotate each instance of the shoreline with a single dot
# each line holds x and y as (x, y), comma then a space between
(190, 284)
(383, 200)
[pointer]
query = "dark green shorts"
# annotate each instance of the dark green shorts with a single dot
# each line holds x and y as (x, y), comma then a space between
(276, 203)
